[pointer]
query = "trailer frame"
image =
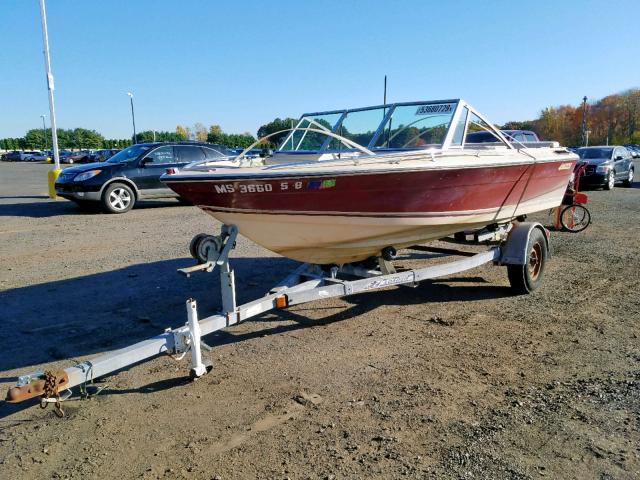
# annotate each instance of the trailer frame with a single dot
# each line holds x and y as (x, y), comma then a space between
(508, 245)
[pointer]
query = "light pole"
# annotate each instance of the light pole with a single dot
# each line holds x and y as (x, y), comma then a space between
(53, 174)
(585, 138)
(133, 117)
(44, 131)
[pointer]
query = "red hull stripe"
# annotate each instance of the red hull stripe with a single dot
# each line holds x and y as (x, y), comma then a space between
(422, 192)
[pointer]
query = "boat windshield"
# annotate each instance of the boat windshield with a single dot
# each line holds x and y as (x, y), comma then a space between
(393, 126)
(411, 126)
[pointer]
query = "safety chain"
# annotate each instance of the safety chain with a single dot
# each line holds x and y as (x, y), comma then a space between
(51, 391)
(87, 369)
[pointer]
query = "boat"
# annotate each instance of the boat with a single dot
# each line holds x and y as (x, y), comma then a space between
(345, 185)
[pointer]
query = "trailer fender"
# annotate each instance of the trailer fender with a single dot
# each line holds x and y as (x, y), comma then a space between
(514, 250)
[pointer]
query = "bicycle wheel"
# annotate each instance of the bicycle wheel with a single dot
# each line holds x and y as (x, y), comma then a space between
(575, 218)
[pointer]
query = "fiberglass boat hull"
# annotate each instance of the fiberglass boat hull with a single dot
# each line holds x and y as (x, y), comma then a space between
(346, 216)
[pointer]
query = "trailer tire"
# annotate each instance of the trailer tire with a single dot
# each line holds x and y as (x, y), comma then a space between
(528, 277)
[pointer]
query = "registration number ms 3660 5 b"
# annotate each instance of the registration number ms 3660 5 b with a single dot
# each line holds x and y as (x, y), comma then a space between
(257, 187)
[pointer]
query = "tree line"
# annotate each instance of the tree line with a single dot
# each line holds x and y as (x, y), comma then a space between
(612, 120)
(82, 138)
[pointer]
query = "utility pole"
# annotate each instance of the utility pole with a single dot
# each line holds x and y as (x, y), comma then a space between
(53, 174)
(133, 118)
(584, 121)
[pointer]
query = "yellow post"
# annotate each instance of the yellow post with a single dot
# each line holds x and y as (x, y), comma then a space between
(52, 176)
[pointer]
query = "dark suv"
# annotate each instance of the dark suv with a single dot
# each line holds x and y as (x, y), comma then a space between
(133, 174)
(606, 165)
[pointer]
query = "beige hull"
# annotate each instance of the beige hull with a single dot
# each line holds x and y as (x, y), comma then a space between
(324, 239)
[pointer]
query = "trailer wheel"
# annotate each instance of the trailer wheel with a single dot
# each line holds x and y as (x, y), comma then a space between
(528, 277)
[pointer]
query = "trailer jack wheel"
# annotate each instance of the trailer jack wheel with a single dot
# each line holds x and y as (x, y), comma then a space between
(527, 278)
(205, 248)
(193, 245)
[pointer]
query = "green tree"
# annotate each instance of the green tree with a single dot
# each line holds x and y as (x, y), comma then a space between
(35, 139)
(12, 143)
(215, 134)
(159, 136)
(239, 140)
(145, 136)
(233, 140)
(275, 126)
(84, 138)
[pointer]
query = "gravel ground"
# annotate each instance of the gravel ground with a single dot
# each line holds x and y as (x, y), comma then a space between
(456, 378)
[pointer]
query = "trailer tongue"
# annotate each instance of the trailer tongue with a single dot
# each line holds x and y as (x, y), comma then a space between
(522, 247)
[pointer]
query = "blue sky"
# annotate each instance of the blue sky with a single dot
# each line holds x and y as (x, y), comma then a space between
(242, 63)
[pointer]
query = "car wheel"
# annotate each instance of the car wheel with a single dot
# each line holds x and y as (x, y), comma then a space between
(118, 198)
(69, 161)
(528, 277)
(629, 181)
(611, 181)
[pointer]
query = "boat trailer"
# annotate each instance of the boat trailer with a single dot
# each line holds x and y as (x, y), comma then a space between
(522, 246)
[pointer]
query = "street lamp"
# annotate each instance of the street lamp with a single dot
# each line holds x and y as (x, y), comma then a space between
(133, 117)
(44, 131)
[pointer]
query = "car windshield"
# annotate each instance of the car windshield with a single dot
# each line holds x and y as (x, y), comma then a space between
(587, 153)
(127, 154)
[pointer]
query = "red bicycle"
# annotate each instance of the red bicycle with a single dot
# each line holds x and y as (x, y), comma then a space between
(573, 215)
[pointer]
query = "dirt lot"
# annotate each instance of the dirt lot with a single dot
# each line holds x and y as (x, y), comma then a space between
(454, 379)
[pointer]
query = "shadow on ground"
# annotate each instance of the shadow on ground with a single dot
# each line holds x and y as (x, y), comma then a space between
(90, 314)
(44, 209)
(32, 197)
(67, 319)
